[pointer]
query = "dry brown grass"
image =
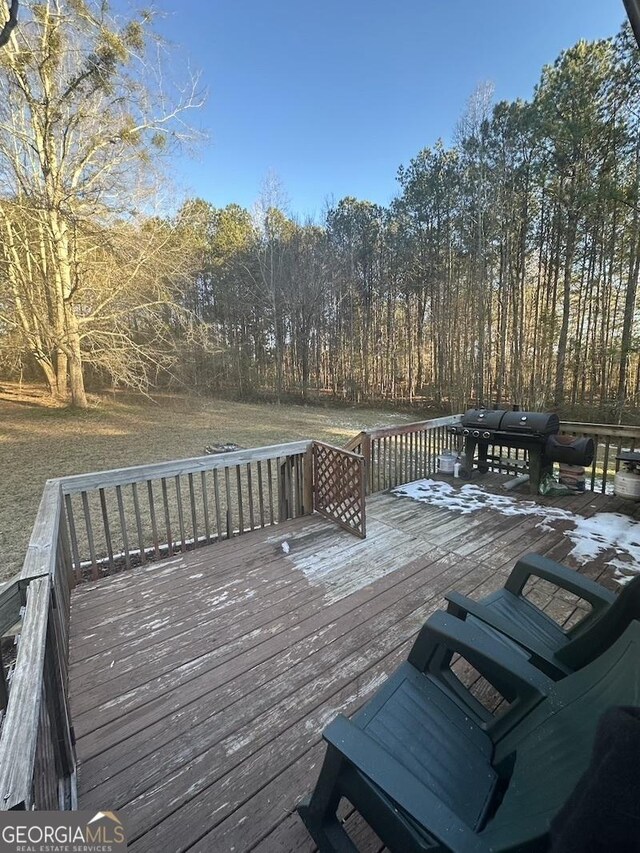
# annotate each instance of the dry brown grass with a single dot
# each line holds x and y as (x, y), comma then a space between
(39, 440)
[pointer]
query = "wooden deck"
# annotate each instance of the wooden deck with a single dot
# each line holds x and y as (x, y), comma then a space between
(200, 684)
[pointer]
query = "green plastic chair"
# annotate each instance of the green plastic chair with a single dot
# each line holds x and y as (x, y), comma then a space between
(429, 774)
(509, 615)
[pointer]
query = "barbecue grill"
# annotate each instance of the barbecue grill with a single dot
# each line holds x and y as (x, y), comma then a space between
(534, 432)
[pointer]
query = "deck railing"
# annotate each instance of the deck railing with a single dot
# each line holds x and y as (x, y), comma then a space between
(399, 454)
(37, 757)
(121, 518)
(92, 524)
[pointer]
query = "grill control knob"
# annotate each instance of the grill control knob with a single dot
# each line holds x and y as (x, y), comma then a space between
(476, 433)
(465, 432)
(486, 435)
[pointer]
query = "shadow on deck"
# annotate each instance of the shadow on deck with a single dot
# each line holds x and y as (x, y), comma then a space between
(200, 684)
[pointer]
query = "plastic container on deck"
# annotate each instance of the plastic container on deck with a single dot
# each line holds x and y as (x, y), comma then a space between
(446, 462)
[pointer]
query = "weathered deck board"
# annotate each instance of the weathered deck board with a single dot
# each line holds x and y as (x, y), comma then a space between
(201, 684)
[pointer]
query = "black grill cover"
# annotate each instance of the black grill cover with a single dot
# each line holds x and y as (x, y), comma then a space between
(532, 423)
(483, 418)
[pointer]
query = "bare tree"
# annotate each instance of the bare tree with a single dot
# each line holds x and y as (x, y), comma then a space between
(84, 112)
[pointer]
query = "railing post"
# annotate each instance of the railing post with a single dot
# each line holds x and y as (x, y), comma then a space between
(307, 476)
(366, 453)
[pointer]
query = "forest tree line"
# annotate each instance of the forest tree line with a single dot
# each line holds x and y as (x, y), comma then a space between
(504, 271)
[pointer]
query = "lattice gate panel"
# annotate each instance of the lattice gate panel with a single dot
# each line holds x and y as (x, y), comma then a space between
(339, 487)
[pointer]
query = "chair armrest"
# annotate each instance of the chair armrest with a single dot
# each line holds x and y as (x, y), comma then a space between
(393, 778)
(507, 670)
(545, 659)
(462, 606)
(534, 565)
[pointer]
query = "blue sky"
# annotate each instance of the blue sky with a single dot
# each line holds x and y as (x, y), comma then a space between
(333, 95)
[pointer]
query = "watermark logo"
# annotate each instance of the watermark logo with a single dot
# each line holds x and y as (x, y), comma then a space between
(61, 832)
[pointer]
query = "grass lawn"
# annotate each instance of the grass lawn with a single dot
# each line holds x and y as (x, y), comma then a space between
(39, 440)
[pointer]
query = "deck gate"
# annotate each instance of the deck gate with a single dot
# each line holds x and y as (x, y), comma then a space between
(339, 487)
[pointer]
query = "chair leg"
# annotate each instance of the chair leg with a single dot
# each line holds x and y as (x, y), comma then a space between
(318, 812)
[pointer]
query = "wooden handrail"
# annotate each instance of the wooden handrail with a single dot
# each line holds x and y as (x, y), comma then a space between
(37, 718)
(415, 426)
(355, 442)
(21, 726)
(175, 468)
(40, 559)
(611, 430)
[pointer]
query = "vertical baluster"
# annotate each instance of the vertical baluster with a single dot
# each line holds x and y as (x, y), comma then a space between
(425, 453)
(250, 490)
(167, 517)
(427, 460)
(605, 464)
(136, 509)
(205, 507)
(294, 510)
(67, 560)
(387, 461)
(154, 524)
(240, 507)
(299, 485)
(288, 483)
(107, 529)
(89, 528)
(393, 449)
(123, 527)
(227, 489)
(260, 494)
(280, 490)
(412, 461)
(183, 538)
(287, 471)
(270, 481)
(73, 536)
(194, 516)
(216, 500)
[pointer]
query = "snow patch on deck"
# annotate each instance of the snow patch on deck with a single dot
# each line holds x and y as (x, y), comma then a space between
(591, 537)
(342, 564)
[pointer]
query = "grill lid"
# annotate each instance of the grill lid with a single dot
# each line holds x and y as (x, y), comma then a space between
(484, 419)
(536, 423)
